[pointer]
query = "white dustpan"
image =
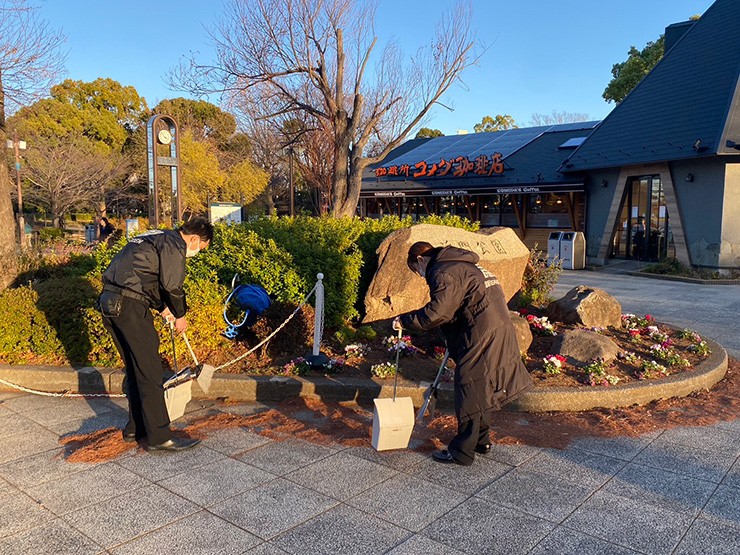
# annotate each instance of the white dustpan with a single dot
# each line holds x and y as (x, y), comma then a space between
(177, 390)
(393, 419)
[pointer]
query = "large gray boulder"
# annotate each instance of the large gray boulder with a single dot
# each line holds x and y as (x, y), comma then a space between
(523, 331)
(581, 346)
(395, 289)
(588, 306)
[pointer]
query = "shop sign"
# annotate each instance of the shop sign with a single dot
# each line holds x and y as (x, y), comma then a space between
(389, 194)
(514, 190)
(460, 166)
(449, 193)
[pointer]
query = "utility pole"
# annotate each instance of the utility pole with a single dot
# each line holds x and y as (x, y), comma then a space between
(18, 146)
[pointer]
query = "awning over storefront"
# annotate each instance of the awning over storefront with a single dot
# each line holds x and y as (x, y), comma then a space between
(404, 190)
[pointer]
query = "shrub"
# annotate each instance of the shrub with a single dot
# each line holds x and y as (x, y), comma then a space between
(539, 279)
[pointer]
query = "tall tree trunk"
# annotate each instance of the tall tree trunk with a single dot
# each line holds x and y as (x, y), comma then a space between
(8, 223)
(340, 184)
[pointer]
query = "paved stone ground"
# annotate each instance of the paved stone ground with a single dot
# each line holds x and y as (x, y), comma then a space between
(676, 491)
(711, 310)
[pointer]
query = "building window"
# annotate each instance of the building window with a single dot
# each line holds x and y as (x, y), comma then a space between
(497, 210)
(548, 210)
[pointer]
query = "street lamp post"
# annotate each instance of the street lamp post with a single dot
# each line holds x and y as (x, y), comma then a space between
(292, 193)
(18, 146)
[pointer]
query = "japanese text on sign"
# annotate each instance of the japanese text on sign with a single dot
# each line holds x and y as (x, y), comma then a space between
(461, 166)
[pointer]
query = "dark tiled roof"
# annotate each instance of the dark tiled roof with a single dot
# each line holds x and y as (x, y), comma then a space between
(525, 151)
(687, 97)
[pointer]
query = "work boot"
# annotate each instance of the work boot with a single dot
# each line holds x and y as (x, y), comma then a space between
(174, 444)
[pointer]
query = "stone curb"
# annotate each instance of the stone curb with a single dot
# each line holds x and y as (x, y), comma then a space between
(707, 373)
(695, 281)
(238, 387)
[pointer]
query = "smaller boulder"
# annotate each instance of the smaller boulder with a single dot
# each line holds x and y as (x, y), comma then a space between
(588, 306)
(523, 332)
(581, 346)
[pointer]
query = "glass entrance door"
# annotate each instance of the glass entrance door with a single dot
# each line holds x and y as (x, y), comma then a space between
(643, 232)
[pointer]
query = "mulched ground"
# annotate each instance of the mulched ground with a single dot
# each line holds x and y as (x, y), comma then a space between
(351, 425)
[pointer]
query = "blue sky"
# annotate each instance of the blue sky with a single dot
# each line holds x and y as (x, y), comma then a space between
(543, 55)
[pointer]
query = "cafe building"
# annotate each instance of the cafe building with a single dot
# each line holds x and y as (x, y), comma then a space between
(658, 177)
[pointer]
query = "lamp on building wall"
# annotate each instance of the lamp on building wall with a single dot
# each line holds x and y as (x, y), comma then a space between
(690, 177)
(604, 183)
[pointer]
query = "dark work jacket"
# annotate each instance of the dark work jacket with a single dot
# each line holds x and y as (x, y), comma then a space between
(469, 305)
(153, 265)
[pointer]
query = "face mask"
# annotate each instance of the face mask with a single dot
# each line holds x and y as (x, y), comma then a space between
(190, 253)
(422, 263)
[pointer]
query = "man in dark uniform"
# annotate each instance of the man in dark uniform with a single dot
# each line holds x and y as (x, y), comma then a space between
(149, 273)
(469, 306)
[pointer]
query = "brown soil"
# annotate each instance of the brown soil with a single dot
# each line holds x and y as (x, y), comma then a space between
(423, 365)
(351, 425)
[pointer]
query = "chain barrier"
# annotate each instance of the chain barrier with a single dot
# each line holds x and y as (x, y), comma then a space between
(234, 361)
(63, 394)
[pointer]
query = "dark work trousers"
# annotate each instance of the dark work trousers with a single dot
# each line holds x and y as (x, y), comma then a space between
(470, 434)
(138, 344)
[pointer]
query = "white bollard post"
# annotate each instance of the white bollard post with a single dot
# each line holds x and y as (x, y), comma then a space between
(317, 358)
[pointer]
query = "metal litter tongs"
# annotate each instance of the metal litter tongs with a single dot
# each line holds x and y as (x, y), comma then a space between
(430, 395)
(200, 372)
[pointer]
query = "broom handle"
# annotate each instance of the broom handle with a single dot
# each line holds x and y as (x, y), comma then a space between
(398, 354)
(174, 351)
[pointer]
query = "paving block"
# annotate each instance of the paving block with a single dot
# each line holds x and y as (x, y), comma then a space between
(86, 488)
(706, 536)
(273, 507)
(564, 540)
(24, 445)
(214, 482)
(420, 545)
(200, 533)
(661, 488)
(282, 457)
(695, 462)
(34, 470)
(123, 518)
(232, 441)
(629, 523)
(18, 512)
(465, 479)
(497, 530)
(50, 537)
(723, 506)
(341, 475)
(624, 448)
(536, 493)
(407, 501)
(159, 466)
(341, 530)
(578, 467)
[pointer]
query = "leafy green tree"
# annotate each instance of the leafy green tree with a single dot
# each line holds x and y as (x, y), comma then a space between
(427, 133)
(202, 177)
(630, 72)
(496, 123)
(203, 119)
(245, 182)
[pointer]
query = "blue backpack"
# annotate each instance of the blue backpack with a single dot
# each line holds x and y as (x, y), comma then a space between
(253, 300)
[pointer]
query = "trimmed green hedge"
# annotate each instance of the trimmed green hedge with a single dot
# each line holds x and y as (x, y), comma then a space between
(53, 320)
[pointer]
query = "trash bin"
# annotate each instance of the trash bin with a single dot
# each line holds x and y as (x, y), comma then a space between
(89, 233)
(553, 247)
(573, 250)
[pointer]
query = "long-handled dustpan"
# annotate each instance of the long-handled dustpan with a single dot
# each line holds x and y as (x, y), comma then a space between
(177, 392)
(393, 419)
(202, 372)
(430, 395)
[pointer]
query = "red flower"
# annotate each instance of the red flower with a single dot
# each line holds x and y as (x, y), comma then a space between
(523, 311)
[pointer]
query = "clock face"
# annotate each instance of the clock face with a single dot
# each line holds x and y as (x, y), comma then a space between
(164, 137)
